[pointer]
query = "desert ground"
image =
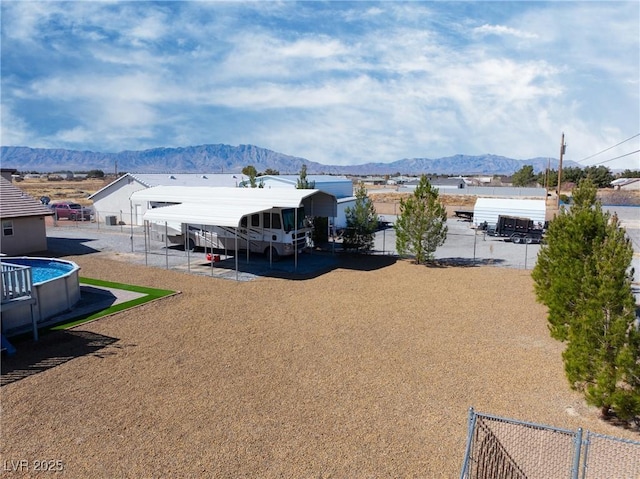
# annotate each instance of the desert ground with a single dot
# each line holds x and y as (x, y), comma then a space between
(63, 190)
(366, 371)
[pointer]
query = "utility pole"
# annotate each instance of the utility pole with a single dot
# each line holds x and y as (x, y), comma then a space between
(563, 148)
(546, 179)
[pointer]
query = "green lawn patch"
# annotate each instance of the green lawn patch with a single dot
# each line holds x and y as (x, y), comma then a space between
(150, 294)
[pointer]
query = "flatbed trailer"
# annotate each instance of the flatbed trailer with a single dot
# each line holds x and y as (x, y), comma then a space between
(464, 214)
(517, 230)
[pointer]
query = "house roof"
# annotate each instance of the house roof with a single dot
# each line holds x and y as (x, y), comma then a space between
(150, 180)
(292, 180)
(624, 181)
(15, 203)
(226, 206)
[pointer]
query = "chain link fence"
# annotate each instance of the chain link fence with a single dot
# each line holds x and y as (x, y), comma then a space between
(610, 457)
(106, 220)
(509, 449)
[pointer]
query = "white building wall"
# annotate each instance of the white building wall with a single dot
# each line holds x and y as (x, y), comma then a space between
(114, 201)
(341, 217)
(29, 236)
(488, 209)
(338, 187)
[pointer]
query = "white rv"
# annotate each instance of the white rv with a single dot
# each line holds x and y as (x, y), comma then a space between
(277, 232)
(271, 221)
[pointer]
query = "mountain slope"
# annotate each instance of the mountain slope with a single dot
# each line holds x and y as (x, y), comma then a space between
(230, 159)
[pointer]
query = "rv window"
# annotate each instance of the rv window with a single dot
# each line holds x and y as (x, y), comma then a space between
(276, 224)
(289, 219)
(255, 220)
(271, 220)
(243, 222)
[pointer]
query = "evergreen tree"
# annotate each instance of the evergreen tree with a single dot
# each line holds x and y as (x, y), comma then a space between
(573, 174)
(524, 176)
(251, 172)
(362, 222)
(550, 176)
(600, 175)
(582, 275)
(421, 226)
(629, 174)
(303, 183)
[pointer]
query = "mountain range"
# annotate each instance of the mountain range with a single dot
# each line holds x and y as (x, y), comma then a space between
(231, 159)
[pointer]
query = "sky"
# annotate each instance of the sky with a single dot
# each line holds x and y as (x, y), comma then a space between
(338, 83)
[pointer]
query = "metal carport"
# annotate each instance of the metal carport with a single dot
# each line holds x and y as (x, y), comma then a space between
(220, 206)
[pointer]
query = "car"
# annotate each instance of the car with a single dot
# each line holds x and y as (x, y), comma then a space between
(71, 211)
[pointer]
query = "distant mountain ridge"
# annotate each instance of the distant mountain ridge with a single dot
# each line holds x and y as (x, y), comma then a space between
(222, 158)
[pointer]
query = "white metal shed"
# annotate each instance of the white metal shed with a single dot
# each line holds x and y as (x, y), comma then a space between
(488, 209)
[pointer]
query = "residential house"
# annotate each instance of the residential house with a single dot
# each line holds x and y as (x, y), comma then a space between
(23, 220)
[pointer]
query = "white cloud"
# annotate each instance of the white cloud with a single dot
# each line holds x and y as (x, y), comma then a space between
(13, 129)
(332, 82)
(501, 30)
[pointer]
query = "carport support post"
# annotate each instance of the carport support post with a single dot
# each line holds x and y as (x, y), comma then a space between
(146, 224)
(295, 240)
(131, 223)
(475, 236)
(166, 246)
(186, 239)
(237, 254)
(270, 241)
(333, 236)
(384, 240)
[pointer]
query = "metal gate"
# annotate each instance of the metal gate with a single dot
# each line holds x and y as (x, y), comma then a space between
(500, 448)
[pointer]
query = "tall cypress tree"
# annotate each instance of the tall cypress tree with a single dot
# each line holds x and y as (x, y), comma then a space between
(583, 277)
(421, 226)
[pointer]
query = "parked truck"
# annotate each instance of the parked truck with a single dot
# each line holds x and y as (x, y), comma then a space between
(518, 230)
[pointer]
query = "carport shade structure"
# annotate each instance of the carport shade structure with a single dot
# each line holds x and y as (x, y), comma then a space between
(220, 206)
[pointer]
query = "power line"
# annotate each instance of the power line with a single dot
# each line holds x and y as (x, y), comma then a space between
(617, 157)
(607, 149)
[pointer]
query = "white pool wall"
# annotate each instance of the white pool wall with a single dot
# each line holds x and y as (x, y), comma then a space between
(52, 297)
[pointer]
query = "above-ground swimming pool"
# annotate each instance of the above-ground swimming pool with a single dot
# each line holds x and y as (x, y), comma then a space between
(55, 289)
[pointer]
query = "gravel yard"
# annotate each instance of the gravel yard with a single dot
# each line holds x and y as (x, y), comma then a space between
(365, 369)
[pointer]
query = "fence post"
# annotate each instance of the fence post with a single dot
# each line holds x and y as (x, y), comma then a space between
(575, 470)
(467, 452)
(585, 459)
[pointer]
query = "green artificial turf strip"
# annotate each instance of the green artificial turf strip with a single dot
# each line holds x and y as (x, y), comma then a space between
(150, 295)
(159, 293)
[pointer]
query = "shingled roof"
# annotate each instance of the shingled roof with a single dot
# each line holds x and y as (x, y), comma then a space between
(15, 203)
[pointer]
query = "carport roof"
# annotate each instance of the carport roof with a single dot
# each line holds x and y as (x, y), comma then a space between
(226, 206)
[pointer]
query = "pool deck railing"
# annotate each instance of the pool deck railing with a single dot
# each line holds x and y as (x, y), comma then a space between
(17, 288)
(17, 283)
